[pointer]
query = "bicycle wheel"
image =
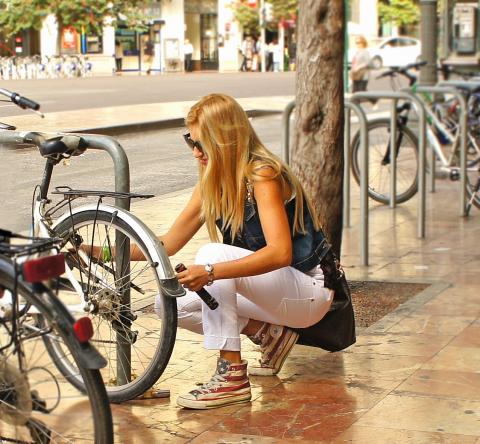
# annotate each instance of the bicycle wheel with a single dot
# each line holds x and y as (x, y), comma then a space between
(134, 326)
(473, 173)
(37, 404)
(379, 165)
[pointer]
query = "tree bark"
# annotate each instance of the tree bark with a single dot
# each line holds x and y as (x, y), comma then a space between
(317, 154)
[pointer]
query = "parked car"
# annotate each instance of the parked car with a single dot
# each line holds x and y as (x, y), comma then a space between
(395, 51)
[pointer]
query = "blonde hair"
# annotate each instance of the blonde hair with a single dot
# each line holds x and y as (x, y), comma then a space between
(235, 155)
(362, 40)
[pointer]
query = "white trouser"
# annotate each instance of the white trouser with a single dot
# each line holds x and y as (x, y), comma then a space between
(284, 297)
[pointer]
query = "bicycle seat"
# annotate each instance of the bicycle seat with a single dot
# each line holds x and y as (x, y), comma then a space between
(64, 146)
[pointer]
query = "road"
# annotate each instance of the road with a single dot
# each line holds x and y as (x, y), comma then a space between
(160, 163)
(94, 92)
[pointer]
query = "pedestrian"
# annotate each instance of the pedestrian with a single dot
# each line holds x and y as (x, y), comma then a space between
(188, 54)
(360, 65)
(269, 57)
(292, 54)
(267, 275)
(148, 53)
(243, 52)
(118, 55)
(277, 56)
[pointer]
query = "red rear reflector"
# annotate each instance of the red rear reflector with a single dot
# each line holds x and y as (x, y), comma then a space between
(44, 268)
(83, 329)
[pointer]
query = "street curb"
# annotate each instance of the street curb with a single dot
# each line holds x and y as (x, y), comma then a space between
(115, 130)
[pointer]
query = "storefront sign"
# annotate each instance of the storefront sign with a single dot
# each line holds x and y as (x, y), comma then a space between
(69, 38)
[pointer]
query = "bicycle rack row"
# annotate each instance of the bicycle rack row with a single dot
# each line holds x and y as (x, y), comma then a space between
(122, 185)
(354, 104)
(350, 106)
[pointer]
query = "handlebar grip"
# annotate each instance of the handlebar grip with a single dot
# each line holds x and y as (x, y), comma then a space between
(24, 102)
(204, 295)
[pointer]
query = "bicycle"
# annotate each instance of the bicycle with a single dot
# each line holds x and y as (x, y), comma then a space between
(442, 133)
(36, 403)
(131, 304)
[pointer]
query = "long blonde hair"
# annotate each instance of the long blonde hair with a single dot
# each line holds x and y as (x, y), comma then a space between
(235, 156)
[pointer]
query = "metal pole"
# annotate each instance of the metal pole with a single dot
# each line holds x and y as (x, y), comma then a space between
(285, 142)
(262, 35)
(346, 167)
(360, 96)
(428, 37)
(393, 154)
(363, 177)
(449, 88)
(122, 245)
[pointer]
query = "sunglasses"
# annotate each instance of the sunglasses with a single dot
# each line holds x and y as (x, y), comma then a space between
(192, 143)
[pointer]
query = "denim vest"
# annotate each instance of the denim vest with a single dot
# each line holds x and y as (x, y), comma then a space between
(308, 250)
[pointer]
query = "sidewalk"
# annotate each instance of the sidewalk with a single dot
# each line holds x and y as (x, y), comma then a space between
(412, 377)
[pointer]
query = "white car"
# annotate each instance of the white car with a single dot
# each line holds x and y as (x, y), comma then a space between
(395, 51)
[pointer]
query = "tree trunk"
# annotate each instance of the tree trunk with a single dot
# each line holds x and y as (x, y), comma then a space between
(317, 155)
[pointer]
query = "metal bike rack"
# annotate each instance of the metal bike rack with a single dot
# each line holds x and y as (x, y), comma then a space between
(346, 187)
(285, 143)
(122, 258)
(352, 106)
(122, 185)
(395, 96)
(463, 139)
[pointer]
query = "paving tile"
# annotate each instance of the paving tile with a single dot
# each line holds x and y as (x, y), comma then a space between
(443, 383)
(432, 324)
(469, 337)
(233, 438)
(357, 434)
(456, 358)
(399, 344)
(460, 417)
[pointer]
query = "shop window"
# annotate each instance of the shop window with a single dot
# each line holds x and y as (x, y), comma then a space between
(93, 44)
(129, 41)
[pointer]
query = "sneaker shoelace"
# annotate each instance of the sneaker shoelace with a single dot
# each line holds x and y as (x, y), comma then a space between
(215, 382)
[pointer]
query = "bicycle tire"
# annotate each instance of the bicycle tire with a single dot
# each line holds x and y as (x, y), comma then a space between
(379, 174)
(33, 386)
(156, 317)
(473, 176)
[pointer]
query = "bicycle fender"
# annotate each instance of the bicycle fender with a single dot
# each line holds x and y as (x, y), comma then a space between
(42, 297)
(155, 248)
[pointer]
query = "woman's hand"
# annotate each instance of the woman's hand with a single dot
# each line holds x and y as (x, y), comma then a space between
(194, 277)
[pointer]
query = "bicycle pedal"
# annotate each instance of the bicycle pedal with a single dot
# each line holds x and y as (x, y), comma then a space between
(155, 393)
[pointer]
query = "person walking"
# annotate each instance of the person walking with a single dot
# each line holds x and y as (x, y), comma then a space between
(148, 51)
(267, 274)
(360, 65)
(188, 54)
(118, 56)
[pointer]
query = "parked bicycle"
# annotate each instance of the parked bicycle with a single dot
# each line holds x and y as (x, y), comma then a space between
(442, 136)
(131, 304)
(37, 404)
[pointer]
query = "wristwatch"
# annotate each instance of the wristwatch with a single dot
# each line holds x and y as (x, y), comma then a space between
(209, 270)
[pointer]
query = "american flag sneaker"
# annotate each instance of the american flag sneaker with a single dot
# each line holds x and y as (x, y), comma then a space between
(276, 342)
(229, 385)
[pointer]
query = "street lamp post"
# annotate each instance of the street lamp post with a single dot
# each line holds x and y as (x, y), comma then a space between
(262, 34)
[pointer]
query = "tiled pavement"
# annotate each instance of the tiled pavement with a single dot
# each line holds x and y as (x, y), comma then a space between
(413, 377)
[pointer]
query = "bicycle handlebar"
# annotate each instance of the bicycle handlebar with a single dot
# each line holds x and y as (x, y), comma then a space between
(22, 102)
(403, 70)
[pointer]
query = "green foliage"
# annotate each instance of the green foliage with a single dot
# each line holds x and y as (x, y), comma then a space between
(249, 18)
(399, 12)
(83, 15)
